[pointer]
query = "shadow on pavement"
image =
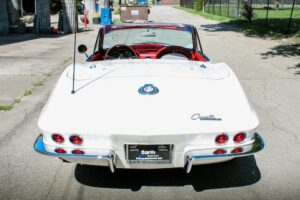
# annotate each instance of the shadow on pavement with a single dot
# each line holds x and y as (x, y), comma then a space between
(238, 172)
(218, 27)
(15, 38)
(287, 50)
(297, 66)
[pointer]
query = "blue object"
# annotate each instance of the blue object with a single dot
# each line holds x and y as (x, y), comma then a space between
(142, 2)
(105, 16)
(148, 89)
(97, 6)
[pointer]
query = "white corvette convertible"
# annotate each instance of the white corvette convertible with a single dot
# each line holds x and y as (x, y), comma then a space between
(148, 98)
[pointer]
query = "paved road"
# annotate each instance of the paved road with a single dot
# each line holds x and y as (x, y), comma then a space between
(270, 82)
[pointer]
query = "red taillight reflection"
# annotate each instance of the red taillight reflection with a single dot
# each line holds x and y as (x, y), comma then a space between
(60, 150)
(75, 139)
(77, 151)
(237, 150)
(58, 138)
(240, 137)
(221, 139)
(220, 151)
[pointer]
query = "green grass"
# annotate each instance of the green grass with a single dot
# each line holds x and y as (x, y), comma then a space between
(28, 92)
(6, 107)
(66, 59)
(38, 83)
(17, 100)
(204, 14)
(296, 38)
(277, 20)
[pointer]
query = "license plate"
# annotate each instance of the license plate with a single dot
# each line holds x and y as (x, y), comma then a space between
(149, 154)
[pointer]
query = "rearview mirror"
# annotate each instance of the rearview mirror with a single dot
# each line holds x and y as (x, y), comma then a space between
(82, 48)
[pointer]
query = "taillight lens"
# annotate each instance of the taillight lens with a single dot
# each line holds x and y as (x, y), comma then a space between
(76, 139)
(58, 138)
(60, 150)
(77, 151)
(237, 150)
(240, 137)
(220, 151)
(221, 139)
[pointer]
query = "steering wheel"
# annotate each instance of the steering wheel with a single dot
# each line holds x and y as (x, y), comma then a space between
(120, 51)
(175, 50)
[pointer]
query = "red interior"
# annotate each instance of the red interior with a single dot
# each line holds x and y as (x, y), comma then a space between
(147, 51)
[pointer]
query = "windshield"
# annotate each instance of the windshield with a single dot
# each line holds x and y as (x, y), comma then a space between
(135, 36)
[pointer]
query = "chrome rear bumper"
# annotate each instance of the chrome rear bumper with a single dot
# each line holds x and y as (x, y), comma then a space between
(190, 157)
(258, 145)
(39, 146)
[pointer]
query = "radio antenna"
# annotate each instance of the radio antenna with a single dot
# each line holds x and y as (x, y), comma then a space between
(75, 31)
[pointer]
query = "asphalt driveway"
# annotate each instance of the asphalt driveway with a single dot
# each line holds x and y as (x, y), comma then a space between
(268, 73)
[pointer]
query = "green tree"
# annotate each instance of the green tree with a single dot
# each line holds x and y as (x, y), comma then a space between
(198, 5)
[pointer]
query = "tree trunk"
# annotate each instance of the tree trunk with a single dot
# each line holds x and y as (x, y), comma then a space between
(91, 9)
(69, 19)
(3, 17)
(17, 4)
(13, 14)
(43, 24)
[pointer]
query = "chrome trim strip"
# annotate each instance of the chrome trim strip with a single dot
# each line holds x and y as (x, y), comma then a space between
(39, 146)
(258, 145)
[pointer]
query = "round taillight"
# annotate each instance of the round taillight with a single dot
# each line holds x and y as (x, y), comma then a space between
(221, 139)
(240, 137)
(60, 150)
(77, 151)
(76, 139)
(237, 150)
(220, 151)
(58, 138)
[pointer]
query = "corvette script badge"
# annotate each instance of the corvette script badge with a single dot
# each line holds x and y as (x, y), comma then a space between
(148, 89)
(205, 117)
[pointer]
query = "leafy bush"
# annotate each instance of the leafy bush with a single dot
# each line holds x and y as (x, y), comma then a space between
(55, 6)
(247, 12)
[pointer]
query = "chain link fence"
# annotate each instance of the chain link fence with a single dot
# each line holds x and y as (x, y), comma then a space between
(280, 15)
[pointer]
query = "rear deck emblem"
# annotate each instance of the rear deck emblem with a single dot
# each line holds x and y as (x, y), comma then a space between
(205, 117)
(148, 89)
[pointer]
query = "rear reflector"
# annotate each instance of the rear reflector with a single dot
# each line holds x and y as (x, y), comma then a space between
(60, 150)
(220, 151)
(240, 137)
(76, 139)
(221, 139)
(77, 151)
(58, 138)
(237, 150)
